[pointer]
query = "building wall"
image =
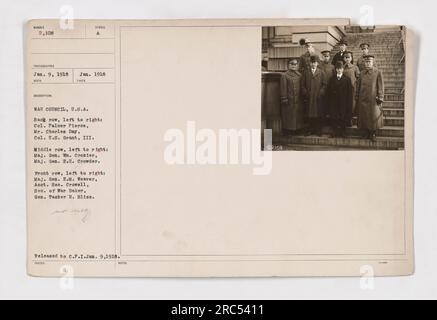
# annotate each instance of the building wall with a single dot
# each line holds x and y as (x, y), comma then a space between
(282, 43)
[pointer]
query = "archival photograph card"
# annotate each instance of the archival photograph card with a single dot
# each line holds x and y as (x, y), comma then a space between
(219, 148)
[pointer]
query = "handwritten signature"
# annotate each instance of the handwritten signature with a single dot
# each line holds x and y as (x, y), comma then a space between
(85, 213)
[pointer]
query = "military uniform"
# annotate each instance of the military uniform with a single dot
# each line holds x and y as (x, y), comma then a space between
(353, 73)
(361, 63)
(370, 95)
(292, 112)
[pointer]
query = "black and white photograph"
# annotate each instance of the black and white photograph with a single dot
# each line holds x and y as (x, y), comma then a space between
(334, 87)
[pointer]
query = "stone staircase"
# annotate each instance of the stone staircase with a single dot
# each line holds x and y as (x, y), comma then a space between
(389, 52)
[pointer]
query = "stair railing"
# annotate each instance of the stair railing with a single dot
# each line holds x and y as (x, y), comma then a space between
(403, 41)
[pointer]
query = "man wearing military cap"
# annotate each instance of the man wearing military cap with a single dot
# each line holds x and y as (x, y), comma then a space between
(329, 70)
(370, 96)
(352, 72)
(340, 55)
(361, 63)
(326, 65)
(304, 61)
(292, 112)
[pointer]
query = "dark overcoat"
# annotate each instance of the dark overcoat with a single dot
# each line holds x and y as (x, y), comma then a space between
(370, 88)
(313, 92)
(292, 111)
(340, 98)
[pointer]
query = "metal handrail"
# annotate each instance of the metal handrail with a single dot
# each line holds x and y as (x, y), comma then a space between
(403, 40)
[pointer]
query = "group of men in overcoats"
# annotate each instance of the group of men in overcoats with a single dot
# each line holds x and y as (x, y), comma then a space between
(316, 91)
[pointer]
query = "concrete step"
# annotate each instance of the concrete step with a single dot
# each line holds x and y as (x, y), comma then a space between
(392, 72)
(328, 143)
(395, 84)
(375, 41)
(386, 53)
(394, 112)
(395, 66)
(387, 131)
(393, 90)
(372, 35)
(394, 75)
(394, 121)
(394, 104)
(393, 97)
(393, 79)
(376, 49)
(389, 63)
(386, 58)
(393, 40)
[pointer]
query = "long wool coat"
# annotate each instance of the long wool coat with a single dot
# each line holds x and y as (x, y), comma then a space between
(340, 98)
(313, 92)
(352, 71)
(370, 87)
(292, 111)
